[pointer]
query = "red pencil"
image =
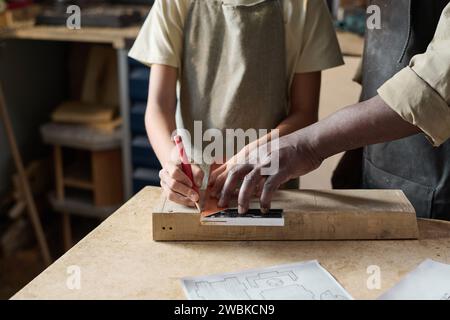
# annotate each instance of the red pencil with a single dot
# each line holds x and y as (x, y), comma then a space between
(186, 165)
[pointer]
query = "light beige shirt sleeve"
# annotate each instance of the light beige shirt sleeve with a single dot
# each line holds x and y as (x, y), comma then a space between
(420, 93)
(320, 48)
(160, 40)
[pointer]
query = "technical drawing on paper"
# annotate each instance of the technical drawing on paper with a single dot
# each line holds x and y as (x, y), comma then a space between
(429, 281)
(271, 285)
(328, 295)
(215, 290)
(302, 281)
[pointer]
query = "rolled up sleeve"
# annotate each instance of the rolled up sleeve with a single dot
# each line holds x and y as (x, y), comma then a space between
(420, 93)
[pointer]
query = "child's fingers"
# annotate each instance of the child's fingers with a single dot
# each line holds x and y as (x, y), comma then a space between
(176, 173)
(177, 186)
(198, 174)
(175, 197)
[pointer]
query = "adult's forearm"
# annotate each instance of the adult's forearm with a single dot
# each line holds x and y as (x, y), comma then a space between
(365, 123)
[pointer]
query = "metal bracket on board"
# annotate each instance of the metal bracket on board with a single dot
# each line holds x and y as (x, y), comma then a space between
(254, 217)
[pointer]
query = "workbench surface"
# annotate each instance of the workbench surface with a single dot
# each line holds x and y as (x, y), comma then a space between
(119, 259)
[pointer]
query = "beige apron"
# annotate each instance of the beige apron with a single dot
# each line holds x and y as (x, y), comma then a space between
(233, 72)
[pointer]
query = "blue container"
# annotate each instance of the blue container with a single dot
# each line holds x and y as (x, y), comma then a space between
(139, 79)
(137, 118)
(143, 154)
(134, 63)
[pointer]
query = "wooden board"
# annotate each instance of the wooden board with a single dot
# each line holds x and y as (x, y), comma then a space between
(309, 215)
(78, 112)
(107, 127)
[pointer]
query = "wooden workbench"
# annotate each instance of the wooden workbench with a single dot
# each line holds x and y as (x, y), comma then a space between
(119, 259)
(117, 37)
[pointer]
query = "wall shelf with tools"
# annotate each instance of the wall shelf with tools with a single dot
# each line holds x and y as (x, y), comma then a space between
(96, 131)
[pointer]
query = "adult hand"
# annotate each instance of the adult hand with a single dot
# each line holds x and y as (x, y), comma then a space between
(269, 166)
(217, 177)
(219, 172)
(177, 186)
(365, 123)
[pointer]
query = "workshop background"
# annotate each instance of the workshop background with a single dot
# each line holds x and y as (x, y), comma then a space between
(75, 107)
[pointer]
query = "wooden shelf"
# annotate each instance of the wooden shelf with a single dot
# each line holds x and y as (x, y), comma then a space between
(80, 137)
(117, 37)
(73, 182)
(78, 171)
(79, 204)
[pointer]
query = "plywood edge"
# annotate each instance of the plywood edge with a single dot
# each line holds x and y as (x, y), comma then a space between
(408, 207)
(307, 223)
(298, 226)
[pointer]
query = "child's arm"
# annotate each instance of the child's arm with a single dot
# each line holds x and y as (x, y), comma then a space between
(304, 110)
(305, 95)
(160, 124)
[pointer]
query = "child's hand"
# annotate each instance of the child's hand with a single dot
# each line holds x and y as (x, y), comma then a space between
(178, 187)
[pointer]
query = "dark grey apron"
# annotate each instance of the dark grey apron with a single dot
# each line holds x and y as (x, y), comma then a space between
(411, 164)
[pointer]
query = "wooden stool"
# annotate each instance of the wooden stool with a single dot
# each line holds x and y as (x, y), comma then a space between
(99, 174)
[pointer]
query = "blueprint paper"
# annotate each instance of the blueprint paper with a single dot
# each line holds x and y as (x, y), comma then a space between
(300, 281)
(429, 281)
